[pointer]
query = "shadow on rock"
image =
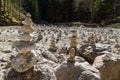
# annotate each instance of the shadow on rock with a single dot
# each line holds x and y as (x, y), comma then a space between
(28, 75)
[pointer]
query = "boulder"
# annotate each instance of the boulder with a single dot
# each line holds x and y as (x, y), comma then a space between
(48, 55)
(89, 54)
(31, 74)
(108, 66)
(74, 71)
(88, 75)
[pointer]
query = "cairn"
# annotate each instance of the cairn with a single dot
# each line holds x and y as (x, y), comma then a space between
(73, 46)
(52, 46)
(92, 40)
(25, 46)
(73, 39)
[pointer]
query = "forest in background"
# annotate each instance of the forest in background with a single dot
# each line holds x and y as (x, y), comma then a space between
(60, 11)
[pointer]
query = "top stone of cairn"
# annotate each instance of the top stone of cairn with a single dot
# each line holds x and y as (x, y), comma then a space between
(27, 24)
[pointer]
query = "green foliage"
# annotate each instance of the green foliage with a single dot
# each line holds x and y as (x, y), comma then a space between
(58, 10)
(104, 10)
(9, 13)
(99, 11)
(83, 12)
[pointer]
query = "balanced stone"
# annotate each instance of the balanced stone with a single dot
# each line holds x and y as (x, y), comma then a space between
(92, 40)
(28, 20)
(25, 48)
(71, 55)
(23, 62)
(52, 46)
(27, 25)
(25, 37)
(27, 29)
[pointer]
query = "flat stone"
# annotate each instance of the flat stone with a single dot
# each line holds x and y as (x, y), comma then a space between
(25, 37)
(25, 48)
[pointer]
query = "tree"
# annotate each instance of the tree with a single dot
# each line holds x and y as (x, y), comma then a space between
(104, 11)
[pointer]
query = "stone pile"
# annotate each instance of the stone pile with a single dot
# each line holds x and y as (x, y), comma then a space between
(73, 39)
(52, 46)
(24, 46)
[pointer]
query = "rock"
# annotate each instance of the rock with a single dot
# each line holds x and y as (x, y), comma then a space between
(5, 47)
(73, 39)
(62, 50)
(27, 29)
(117, 46)
(92, 39)
(27, 47)
(79, 59)
(85, 75)
(25, 37)
(61, 58)
(109, 67)
(46, 68)
(40, 37)
(23, 62)
(89, 55)
(28, 20)
(71, 57)
(48, 55)
(5, 59)
(73, 71)
(52, 46)
(31, 74)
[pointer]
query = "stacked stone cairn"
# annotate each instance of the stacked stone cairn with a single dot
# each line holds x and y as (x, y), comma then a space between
(25, 46)
(73, 39)
(92, 40)
(52, 46)
(73, 46)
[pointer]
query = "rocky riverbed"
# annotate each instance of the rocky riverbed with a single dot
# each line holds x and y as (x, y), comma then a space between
(96, 55)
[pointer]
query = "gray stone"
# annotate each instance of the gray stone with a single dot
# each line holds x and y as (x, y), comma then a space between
(23, 62)
(88, 75)
(24, 37)
(25, 48)
(73, 71)
(48, 55)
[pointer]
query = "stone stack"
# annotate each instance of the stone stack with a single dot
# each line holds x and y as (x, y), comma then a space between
(25, 45)
(92, 40)
(73, 39)
(52, 46)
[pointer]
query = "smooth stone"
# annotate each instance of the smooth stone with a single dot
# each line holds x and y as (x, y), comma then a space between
(27, 29)
(24, 37)
(23, 62)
